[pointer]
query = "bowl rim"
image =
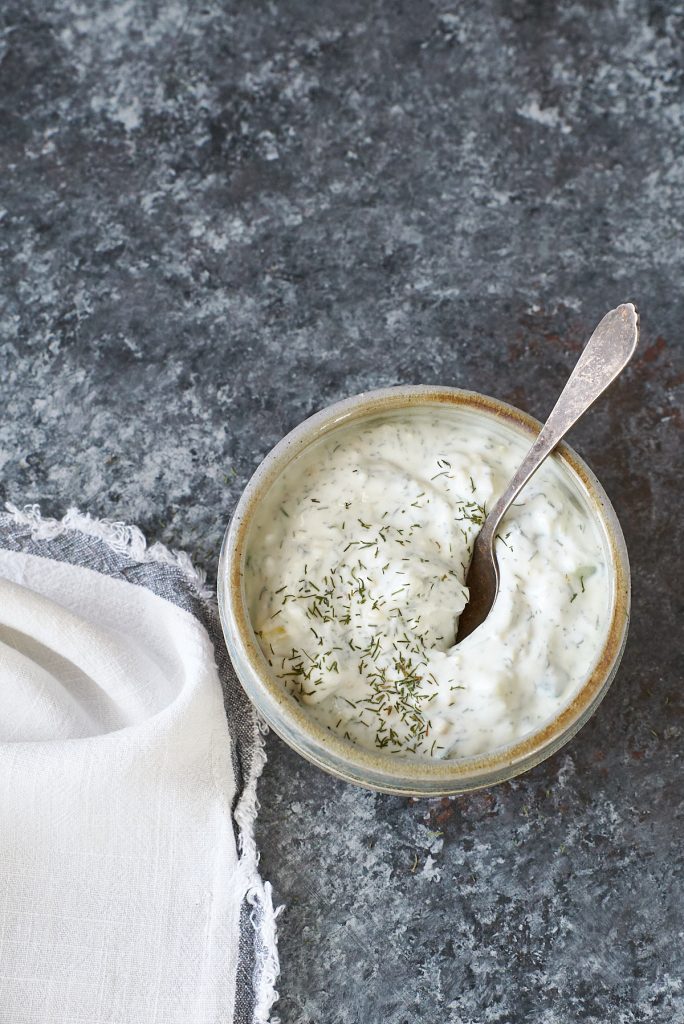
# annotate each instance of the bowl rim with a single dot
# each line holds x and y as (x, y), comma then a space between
(381, 770)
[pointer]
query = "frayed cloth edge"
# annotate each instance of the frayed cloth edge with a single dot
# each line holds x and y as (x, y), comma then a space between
(119, 536)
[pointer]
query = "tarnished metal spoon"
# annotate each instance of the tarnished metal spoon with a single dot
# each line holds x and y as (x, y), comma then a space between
(605, 355)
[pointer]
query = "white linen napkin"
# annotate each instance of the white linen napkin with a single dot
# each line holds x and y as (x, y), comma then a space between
(129, 890)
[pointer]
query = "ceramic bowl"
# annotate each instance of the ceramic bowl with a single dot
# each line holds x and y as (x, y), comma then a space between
(379, 770)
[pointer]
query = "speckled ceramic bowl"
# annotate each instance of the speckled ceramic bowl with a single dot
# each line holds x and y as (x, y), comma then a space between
(389, 773)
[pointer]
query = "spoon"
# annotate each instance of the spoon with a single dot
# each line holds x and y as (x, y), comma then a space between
(605, 355)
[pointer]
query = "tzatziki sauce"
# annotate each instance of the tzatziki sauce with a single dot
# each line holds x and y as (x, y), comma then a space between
(355, 575)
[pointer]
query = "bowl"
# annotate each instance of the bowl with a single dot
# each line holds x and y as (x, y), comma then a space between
(379, 770)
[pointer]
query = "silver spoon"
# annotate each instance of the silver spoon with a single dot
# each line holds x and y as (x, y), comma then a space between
(605, 355)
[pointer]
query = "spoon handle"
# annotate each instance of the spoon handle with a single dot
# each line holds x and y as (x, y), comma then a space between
(605, 355)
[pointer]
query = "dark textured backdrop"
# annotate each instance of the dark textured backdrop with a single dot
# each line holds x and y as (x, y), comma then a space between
(215, 219)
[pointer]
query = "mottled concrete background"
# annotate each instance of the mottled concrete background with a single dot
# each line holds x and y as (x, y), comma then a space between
(217, 219)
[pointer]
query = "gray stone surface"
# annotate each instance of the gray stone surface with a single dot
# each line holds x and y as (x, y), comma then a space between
(217, 219)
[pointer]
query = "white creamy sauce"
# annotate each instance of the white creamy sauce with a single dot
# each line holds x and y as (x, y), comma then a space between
(355, 581)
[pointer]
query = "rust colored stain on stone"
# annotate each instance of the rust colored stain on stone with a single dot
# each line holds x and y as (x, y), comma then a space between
(653, 351)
